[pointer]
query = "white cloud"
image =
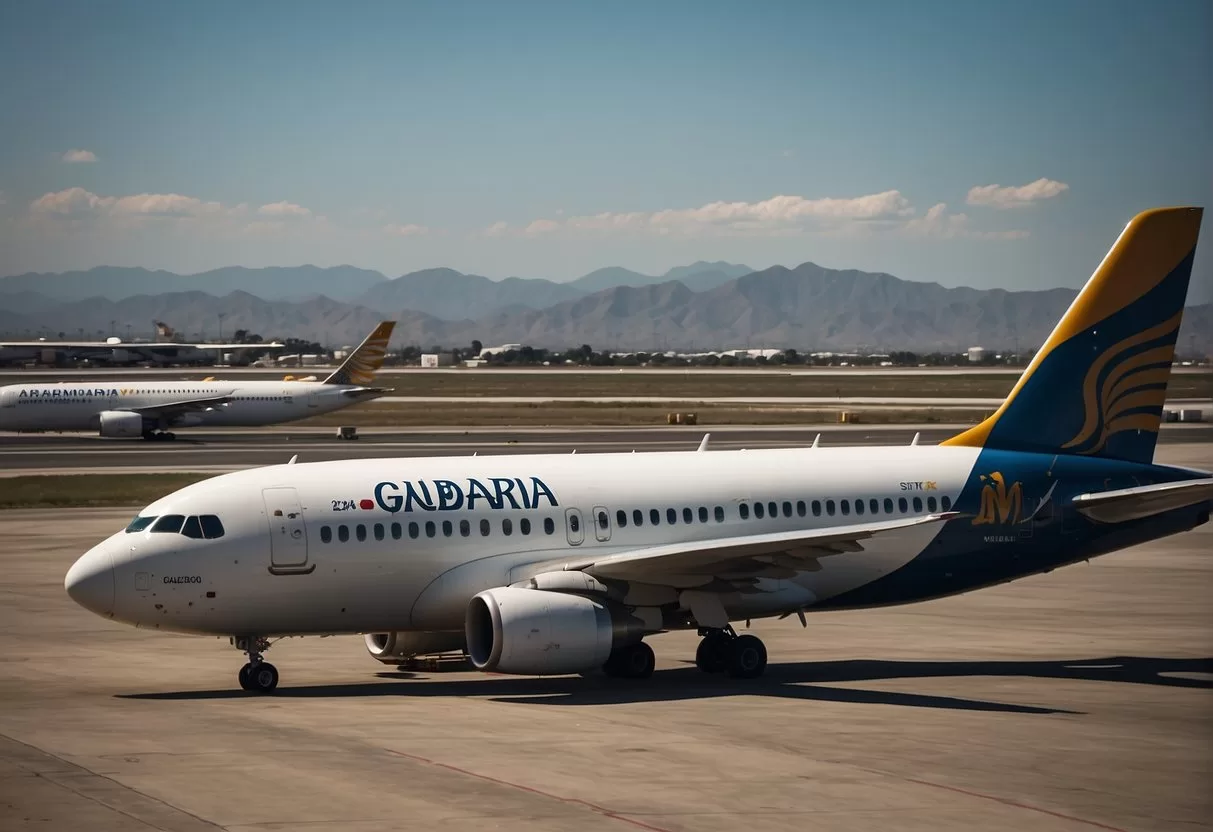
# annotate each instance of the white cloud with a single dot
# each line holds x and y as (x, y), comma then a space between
(283, 209)
(937, 222)
(77, 202)
(77, 156)
(497, 229)
(996, 196)
(406, 230)
(543, 227)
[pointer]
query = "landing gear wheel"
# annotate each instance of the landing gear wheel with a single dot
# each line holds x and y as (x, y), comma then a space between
(168, 436)
(636, 661)
(747, 657)
(712, 655)
(259, 678)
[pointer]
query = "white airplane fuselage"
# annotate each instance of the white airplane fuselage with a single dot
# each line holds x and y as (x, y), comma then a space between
(77, 405)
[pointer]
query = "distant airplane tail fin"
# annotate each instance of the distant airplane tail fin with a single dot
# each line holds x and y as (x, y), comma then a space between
(1098, 384)
(362, 364)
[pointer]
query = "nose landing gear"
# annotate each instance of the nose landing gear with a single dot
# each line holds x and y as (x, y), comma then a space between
(722, 650)
(258, 676)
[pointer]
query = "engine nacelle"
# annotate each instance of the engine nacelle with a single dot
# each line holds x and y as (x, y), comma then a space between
(531, 631)
(392, 648)
(120, 423)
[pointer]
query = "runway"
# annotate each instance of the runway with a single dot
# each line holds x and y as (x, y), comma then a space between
(227, 450)
(1077, 700)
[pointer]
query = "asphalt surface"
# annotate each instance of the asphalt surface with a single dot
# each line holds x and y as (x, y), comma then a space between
(214, 450)
(1077, 700)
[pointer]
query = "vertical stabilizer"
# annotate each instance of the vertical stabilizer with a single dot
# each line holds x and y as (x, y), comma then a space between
(361, 365)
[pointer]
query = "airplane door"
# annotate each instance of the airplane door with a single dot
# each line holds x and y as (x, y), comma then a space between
(602, 524)
(573, 527)
(288, 534)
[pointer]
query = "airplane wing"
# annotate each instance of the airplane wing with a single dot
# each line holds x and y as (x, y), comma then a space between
(183, 406)
(357, 392)
(1143, 501)
(98, 345)
(749, 555)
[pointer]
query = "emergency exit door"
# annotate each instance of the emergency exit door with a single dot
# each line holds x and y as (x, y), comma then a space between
(288, 534)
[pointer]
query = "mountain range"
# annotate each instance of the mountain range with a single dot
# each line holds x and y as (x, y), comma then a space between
(700, 306)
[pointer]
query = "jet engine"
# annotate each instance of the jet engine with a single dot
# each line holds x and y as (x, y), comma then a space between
(393, 648)
(531, 631)
(120, 423)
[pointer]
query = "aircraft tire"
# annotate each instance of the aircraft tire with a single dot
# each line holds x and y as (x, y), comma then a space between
(712, 655)
(635, 661)
(245, 684)
(262, 678)
(747, 657)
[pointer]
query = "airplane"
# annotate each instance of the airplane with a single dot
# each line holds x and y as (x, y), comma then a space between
(149, 408)
(115, 351)
(561, 564)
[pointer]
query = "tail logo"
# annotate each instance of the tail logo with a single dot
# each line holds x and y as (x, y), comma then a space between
(999, 505)
(1125, 388)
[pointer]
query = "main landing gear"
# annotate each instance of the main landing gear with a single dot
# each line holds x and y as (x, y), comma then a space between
(159, 436)
(723, 651)
(258, 676)
(635, 661)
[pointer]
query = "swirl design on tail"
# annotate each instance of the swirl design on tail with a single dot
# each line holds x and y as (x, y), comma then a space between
(362, 364)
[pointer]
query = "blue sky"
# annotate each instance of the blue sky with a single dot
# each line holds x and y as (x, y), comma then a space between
(548, 139)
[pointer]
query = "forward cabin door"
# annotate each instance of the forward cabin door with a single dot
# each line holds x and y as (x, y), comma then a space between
(602, 524)
(288, 533)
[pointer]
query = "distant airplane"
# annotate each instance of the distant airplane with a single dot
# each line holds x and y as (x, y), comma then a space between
(552, 564)
(115, 351)
(149, 408)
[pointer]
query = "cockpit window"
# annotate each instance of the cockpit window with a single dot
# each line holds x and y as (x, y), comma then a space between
(192, 528)
(169, 523)
(139, 524)
(211, 526)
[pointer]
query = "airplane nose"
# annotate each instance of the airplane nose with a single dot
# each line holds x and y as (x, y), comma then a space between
(90, 581)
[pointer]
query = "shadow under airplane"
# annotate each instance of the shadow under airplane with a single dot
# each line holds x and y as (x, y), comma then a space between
(796, 680)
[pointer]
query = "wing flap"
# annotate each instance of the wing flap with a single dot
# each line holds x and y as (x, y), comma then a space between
(183, 406)
(746, 555)
(1143, 501)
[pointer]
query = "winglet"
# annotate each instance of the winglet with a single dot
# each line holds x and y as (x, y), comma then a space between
(816, 441)
(703, 446)
(293, 460)
(914, 441)
(362, 364)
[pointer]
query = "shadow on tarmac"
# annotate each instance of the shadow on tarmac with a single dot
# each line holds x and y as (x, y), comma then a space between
(799, 680)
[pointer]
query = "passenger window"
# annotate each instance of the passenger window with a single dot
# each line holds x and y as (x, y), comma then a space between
(211, 526)
(524, 525)
(360, 532)
(817, 508)
(946, 503)
(637, 517)
(465, 528)
(397, 531)
(874, 505)
(549, 525)
(379, 531)
(888, 505)
(326, 534)
(139, 524)
(773, 509)
(485, 528)
(931, 504)
(845, 505)
(830, 507)
(718, 513)
(603, 520)
(575, 522)
(654, 517)
(170, 523)
(431, 529)
(507, 527)
(448, 528)
(414, 531)
(703, 514)
(621, 518)
(688, 516)
(192, 528)
(743, 510)
(902, 505)
(671, 516)
(801, 508)
(759, 511)
(859, 506)
(918, 505)
(787, 509)
(343, 534)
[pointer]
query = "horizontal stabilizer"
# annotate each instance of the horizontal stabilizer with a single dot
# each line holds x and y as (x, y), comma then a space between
(1143, 501)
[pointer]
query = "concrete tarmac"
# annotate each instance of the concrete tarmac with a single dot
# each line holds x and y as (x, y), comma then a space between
(226, 450)
(1077, 700)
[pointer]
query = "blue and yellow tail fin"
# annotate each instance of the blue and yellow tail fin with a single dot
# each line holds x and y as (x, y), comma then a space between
(1098, 384)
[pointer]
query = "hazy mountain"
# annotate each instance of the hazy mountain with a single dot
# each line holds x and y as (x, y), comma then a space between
(702, 275)
(610, 277)
(451, 295)
(273, 283)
